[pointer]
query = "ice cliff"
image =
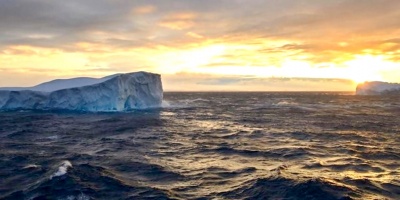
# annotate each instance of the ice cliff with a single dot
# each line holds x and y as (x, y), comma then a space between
(378, 88)
(120, 92)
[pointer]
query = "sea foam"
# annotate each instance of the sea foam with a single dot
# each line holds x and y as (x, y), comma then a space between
(62, 170)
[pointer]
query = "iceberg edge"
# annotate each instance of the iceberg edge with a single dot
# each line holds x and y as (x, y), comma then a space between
(378, 88)
(121, 92)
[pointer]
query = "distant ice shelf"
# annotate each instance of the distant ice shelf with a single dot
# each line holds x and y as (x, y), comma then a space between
(119, 92)
(378, 88)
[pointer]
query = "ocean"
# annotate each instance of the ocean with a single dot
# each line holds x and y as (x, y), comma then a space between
(228, 145)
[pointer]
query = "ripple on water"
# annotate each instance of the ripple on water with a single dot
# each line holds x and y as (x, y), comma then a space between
(208, 146)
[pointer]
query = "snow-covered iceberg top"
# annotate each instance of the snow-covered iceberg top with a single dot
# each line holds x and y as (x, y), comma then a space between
(119, 92)
(377, 88)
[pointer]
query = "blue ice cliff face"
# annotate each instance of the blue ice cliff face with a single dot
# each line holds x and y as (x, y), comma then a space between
(122, 92)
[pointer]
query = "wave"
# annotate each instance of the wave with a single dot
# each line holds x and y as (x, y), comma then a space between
(186, 103)
(284, 152)
(277, 187)
(62, 170)
(361, 168)
(86, 181)
(207, 146)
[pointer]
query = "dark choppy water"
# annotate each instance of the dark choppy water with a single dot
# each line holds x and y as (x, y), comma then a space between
(208, 146)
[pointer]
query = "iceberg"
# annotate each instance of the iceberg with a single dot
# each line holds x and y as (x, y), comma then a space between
(119, 92)
(378, 88)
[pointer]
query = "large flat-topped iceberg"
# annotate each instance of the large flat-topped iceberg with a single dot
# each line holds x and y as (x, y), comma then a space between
(378, 88)
(120, 92)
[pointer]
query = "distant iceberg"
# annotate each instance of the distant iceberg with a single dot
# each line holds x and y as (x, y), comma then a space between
(119, 92)
(378, 88)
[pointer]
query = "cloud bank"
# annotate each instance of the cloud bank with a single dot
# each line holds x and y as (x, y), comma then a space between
(46, 38)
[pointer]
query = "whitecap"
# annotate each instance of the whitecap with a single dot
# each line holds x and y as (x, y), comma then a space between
(285, 103)
(79, 197)
(54, 137)
(62, 170)
(31, 166)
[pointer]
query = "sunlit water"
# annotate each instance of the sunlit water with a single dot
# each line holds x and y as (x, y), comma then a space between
(208, 146)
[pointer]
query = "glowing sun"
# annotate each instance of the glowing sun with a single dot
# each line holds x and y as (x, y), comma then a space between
(366, 68)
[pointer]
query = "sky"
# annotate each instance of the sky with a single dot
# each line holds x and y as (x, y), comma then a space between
(207, 45)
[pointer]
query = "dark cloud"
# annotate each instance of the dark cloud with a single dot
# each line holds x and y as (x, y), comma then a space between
(122, 24)
(47, 17)
(57, 24)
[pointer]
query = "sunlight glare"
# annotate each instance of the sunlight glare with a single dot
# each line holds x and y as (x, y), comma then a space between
(187, 60)
(366, 68)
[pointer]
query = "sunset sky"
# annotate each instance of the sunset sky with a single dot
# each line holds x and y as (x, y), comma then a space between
(247, 45)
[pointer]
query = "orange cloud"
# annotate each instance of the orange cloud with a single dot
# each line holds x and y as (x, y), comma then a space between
(179, 21)
(142, 10)
(324, 39)
(194, 35)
